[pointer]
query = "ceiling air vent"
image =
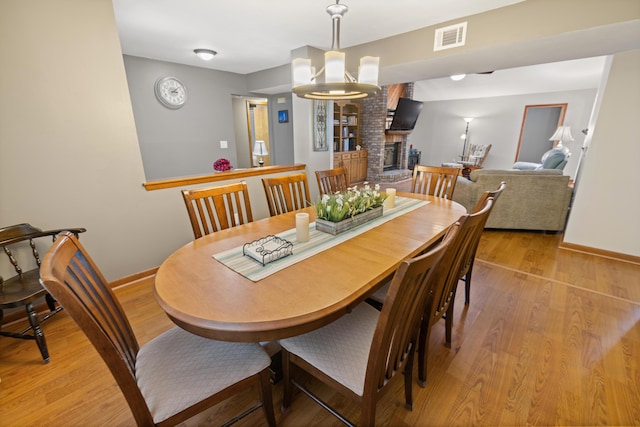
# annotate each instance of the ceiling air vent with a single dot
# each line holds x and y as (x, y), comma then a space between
(451, 36)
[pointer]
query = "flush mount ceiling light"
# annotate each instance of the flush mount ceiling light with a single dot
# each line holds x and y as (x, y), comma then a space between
(457, 77)
(205, 54)
(338, 83)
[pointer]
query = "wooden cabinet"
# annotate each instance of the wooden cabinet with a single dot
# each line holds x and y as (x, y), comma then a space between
(346, 137)
(346, 126)
(355, 162)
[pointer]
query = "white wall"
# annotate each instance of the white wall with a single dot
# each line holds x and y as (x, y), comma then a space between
(497, 121)
(606, 206)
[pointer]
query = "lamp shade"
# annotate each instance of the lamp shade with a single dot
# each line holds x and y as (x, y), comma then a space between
(562, 134)
(260, 148)
(368, 70)
(334, 67)
(302, 73)
(336, 82)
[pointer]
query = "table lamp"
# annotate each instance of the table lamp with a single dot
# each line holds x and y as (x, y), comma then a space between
(562, 134)
(260, 149)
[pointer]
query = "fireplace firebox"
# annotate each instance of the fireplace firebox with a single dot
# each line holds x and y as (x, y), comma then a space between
(391, 156)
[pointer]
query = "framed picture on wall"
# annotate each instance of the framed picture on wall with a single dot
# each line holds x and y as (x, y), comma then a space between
(283, 116)
(320, 126)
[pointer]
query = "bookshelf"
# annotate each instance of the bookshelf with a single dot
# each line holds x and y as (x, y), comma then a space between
(346, 126)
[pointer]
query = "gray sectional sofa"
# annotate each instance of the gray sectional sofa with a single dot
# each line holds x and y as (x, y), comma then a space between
(532, 200)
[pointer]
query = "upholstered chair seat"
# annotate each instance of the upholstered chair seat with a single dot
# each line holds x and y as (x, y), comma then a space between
(340, 349)
(178, 369)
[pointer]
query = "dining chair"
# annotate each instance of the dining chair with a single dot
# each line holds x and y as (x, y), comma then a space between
(332, 181)
(467, 265)
(286, 193)
(435, 181)
(217, 208)
(446, 276)
(361, 353)
(24, 288)
(171, 378)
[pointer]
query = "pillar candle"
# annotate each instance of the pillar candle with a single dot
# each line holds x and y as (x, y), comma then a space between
(390, 201)
(302, 227)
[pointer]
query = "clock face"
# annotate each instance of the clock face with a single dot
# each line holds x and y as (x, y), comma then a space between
(170, 92)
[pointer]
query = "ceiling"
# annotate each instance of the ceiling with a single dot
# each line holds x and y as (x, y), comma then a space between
(255, 35)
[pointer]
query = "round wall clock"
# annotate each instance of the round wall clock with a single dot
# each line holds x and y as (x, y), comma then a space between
(170, 92)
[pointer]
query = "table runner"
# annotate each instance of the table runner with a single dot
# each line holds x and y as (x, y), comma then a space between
(318, 242)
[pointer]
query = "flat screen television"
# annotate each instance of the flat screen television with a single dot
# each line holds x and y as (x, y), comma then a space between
(406, 115)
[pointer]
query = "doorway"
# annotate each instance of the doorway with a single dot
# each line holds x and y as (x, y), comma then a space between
(538, 124)
(258, 129)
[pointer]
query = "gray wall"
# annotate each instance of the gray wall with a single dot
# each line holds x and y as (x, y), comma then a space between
(497, 121)
(186, 141)
(281, 133)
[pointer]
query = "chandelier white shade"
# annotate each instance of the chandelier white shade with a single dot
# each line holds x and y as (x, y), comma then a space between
(336, 82)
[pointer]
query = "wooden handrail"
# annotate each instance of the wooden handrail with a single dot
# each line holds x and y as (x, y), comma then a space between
(220, 176)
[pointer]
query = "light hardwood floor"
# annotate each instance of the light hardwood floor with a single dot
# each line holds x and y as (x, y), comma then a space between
(551, 337)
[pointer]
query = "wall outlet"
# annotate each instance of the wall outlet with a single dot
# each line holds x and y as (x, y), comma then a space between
(224, 144)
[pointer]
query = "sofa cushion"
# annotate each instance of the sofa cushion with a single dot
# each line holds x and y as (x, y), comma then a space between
(553, 159)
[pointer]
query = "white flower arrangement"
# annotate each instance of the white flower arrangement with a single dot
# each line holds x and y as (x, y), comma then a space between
(339, 206)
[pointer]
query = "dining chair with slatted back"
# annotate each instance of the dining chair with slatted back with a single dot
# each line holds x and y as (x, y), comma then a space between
(332, 181)
(286, 193)
(171, 378)
(364, 351)
(441, 300)
(217, 208)
(438, 181)
(467, 265)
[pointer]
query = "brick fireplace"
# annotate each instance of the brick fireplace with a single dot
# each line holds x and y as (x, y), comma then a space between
(388, 154)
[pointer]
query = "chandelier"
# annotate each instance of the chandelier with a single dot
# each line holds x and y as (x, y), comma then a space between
(338, 83)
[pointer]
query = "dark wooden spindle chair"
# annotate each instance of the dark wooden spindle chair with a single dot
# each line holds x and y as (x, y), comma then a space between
(24, 289)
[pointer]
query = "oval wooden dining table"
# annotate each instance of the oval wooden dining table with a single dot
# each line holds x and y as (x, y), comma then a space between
(204, 296)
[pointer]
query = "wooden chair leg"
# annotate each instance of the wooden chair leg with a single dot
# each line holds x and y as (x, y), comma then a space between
(267, 397)
(467, 284)
(423, 343)
(448, 323)
(408, 383)
(286, 379)
(368, 413)
(38, 335)
(51, 302)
